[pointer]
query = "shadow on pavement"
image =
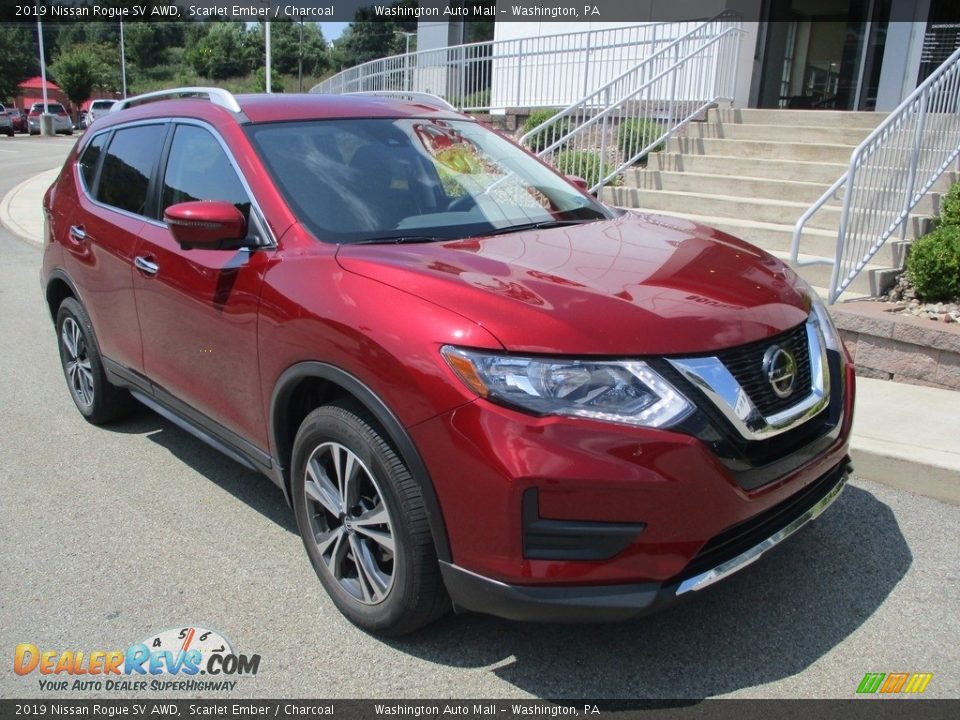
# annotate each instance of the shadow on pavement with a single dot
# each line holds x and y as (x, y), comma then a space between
(250, 487)
(768, 622)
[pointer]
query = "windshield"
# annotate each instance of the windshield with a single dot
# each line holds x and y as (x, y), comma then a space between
(416, 180)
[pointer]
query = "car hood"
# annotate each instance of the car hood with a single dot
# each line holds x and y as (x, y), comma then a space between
(633, 285)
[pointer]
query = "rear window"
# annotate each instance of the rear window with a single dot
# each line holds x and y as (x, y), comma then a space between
(101, 105)
(55, 108)
(128, 166)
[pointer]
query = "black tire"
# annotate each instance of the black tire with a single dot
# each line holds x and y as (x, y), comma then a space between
(413, 595)
(96, 399)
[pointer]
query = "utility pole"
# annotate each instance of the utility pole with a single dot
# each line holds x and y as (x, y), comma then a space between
(123, 62)
(267, 40)
(46, 120)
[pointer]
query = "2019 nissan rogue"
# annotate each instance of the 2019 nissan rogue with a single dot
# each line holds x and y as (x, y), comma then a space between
(477, 385)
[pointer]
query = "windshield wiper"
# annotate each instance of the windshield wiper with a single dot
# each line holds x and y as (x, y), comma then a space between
(399, 239)
(542, 225)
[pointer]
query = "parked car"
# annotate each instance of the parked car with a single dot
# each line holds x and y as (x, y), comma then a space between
(18, 119)
(98, 109)
(477, 385)
(6, 122)
(61, 119)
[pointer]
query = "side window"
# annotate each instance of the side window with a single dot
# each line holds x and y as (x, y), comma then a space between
(128, 165)
(198, 169)
(88, 161)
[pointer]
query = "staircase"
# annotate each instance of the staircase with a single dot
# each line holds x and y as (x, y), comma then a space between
(752, 173)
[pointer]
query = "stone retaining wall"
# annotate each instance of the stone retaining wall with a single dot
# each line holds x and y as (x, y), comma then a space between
(899, 347)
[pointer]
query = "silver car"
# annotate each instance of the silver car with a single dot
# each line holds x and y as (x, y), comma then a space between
(61, 120)
(99, 108)
(6, 124)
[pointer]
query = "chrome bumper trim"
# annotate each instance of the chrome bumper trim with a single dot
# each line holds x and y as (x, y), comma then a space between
(705, 579)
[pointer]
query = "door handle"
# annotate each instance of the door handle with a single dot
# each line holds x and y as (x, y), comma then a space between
(77, 233)
(147, 266)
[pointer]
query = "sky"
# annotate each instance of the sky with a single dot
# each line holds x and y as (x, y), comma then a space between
(332, 30)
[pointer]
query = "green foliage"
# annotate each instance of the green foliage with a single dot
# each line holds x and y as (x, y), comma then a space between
(260, 80)
(75, 71)
(634, 135)
(549, 134)
(285, 47)
(586, 165)
(934, 264)
(225, 51)
(20, 60)
(363, 41)
(479, 99)
(950, 206)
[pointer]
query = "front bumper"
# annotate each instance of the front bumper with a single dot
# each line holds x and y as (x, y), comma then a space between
(731, 551)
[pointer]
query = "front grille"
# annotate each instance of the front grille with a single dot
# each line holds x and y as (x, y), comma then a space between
(745, 363)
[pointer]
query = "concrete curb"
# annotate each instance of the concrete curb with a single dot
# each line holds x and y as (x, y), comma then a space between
(21, 210)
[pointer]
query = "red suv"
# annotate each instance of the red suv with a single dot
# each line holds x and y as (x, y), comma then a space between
(476, 384)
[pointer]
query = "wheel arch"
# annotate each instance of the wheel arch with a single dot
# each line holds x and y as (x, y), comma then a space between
(58, 288)
(303, 387)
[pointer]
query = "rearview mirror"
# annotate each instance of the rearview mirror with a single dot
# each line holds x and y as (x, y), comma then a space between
(206, 225)
(579, 182)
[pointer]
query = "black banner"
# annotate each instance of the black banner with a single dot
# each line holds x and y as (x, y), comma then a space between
(856, 709)
(637, 11)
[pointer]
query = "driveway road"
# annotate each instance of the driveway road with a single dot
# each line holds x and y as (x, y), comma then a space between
(109, 535)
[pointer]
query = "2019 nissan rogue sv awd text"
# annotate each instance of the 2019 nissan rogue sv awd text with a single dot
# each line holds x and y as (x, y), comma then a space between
(477, 385)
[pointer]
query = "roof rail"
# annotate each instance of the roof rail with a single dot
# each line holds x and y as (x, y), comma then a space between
(420, 97)
(218, 96)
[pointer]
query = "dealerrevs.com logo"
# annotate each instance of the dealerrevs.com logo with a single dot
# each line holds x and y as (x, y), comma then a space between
(189, 659)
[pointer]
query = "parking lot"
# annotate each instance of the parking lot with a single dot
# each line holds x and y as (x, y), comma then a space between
(111, 535)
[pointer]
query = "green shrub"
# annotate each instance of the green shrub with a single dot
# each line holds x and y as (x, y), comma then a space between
(479, 99)
(950, 206)
(934, 264)
(546, 136)
(634, 135)
(586, 165)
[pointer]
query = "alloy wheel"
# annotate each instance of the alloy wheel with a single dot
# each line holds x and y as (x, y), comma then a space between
(350, 523)
(77, 362)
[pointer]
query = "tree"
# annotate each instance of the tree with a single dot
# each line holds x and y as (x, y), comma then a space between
(285, 47)
(75, 72)
(20, 60)
(224, 51)
(260, 80)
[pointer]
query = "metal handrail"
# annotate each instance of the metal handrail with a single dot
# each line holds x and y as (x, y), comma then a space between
(669, 88)
(544, 71)
(889, 173)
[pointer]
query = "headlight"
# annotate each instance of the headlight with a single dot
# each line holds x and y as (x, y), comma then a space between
(831, 336)
(631, 393)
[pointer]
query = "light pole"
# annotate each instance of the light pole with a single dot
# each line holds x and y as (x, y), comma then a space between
(46, 120)
(300, 59)
(266, 35)
(123, 62)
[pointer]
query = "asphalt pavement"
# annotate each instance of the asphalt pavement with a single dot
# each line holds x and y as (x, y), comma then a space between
(110, 535)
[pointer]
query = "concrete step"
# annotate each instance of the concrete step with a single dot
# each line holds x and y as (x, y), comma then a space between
(745, 187)
(766, 210)
(763, 149)
(803, 171)
(808, 118)
(779, 133)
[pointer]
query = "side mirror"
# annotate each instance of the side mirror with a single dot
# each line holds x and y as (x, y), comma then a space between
(579, 182)
(206, 225)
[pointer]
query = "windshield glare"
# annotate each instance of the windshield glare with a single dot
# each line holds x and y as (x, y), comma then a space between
(390, 179)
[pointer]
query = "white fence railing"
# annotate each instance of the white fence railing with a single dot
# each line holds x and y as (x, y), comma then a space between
(889, 173)
(544, 71)
(613, 127)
